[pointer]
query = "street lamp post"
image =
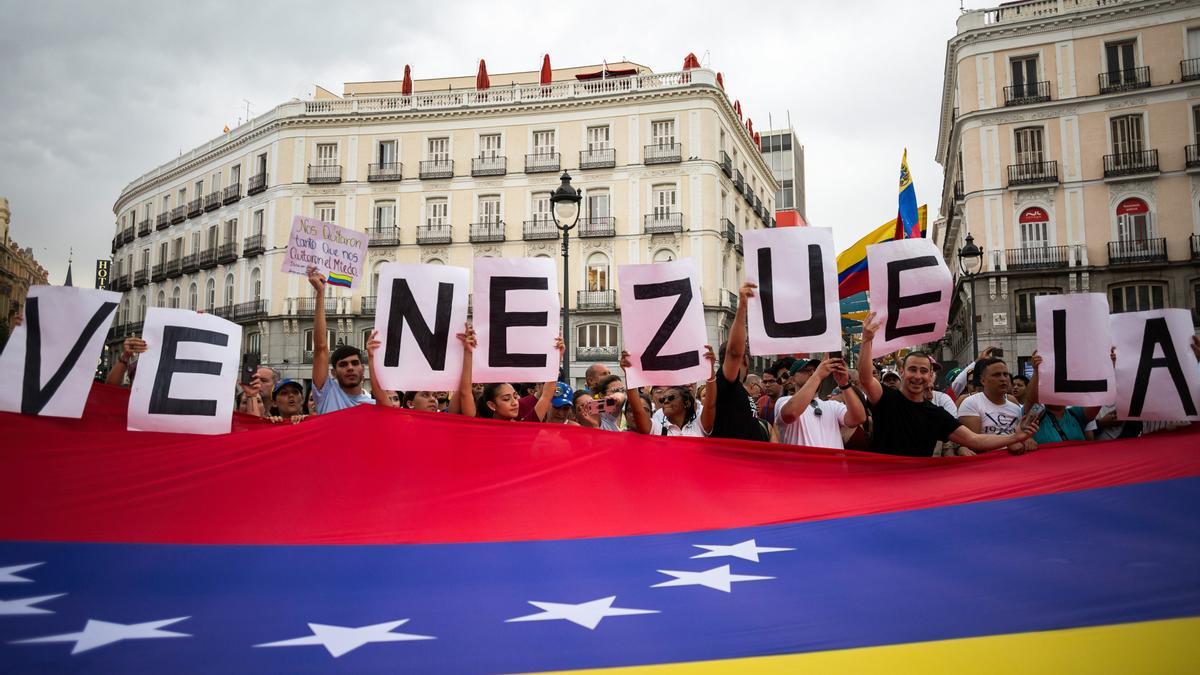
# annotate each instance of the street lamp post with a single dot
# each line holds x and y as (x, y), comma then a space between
(970, 263)
(565, 211)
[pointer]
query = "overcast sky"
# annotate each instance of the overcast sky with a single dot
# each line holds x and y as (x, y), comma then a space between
(98, 93)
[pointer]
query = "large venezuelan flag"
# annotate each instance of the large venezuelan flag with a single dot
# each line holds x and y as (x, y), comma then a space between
(906, 214)
(852, 263)
(377, 540)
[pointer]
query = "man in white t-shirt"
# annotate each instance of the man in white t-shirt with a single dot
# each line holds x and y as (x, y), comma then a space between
(991, 411)
(804, 419)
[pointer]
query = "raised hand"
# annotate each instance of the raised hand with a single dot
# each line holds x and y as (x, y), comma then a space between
(841, 375)
(560, 347)
(467, 337)
(1036, 361)
(712, 358)
(316, 279)
(134, 345)
(626, 362)
(870, 327)
(747, 290)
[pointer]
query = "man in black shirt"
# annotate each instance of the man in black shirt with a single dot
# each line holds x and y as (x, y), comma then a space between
(907, 424)
(728, 411)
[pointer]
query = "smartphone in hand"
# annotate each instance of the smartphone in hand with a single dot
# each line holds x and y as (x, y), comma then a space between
(250, 364)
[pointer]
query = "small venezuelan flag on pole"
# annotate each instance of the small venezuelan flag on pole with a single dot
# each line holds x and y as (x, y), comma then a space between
(907, 222)
(343, 280)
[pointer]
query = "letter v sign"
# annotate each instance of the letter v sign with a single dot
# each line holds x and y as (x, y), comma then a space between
(35, 395)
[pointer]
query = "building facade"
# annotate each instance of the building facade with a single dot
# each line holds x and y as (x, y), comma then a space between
(444, 175)
(1069, 136)
(18, 268)
(785, 156)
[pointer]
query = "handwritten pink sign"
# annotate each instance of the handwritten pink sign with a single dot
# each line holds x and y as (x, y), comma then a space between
(337, 252)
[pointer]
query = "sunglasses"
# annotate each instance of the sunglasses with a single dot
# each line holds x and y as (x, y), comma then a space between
(669, 398)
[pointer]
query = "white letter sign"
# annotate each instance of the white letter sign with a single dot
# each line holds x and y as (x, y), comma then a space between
(50, 359)
(910, 293)
(516, 320)
(337, 252)
(1156, 370)
(796, 306)
(1073, 341)
(186, 377)
(662, 317)
(420, 309)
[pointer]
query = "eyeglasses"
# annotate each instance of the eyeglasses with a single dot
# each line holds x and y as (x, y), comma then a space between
(669, 398)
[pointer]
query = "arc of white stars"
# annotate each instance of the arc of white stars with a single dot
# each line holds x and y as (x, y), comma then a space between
(586, 614)
(746, 550)
(100, 633)
(22, 606)
(717, 578)
(8, 575)
(339, 640)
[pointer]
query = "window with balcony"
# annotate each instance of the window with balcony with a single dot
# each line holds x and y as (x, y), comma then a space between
(229, 288)
(1133, 221)
(543, 142)
(212, 236)
(598, 138)
(663, 147)
(1121, 70)
(210, 295)
(1192, 152)
(1027, 142)
(438, 150)
(230, 230)
(1137, 297)
(597, 270)
(1127, 134)
(256, 222)
(1034, 228)
(386, 153)
(325, 211)
(437, 212)
(663, 200)
(235, 174)
(598, 341)
(385, 214)
(491, 160)
(1027, 308)
(489, 146)
(387, 163)
(327, 154)
(1129, 153)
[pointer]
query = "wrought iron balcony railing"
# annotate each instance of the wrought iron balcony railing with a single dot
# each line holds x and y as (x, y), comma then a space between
(195, 207)
(726, 164)
(1024, 94)
(227, 253)
(158, 272)
(1130, 163)
(250, 311)
(174, 269)
(489, 166)
(1032, 173)
(539, 228)
(178, 214)
(231, 194)
(224, 311)
(663, 223)
(319, 174)
(128, 235)
(1191, 156)
(383, 236)
(1189, 69)
(1194, 245)
(387, 171)
(593, 300)
(367, 305)
(728, 229)
(141, 277)
(1137, 251)
(959, 193)
(663, 153)
(256, 184)
(597, 226)
(590, 354)
(190, 263)
(434, 234)
(737, 244)
(1039, 258)
(162, 221)
(543, 162)
(253, 245)
(304, 306)
(602, 158)
(436, 168)
(207, 258)
(738, 182)
(212, 201)
(144, 228)
(1124, 80)
(487, 231)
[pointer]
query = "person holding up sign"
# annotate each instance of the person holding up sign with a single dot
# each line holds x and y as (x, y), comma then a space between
(500, 400)
(905, 423)
(732, 411)
(1059, 422)
(345, 388)
(125, 362)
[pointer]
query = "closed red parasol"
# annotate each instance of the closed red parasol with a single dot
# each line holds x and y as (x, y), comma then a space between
(750, 126)
(737, 108)
(481, 78)
(690, 61)
(406, 85)
(720, 81)
(546, 75)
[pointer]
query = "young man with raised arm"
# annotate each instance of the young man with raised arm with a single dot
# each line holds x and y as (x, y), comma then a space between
(805, 419)
(905, 423)
(345, 388)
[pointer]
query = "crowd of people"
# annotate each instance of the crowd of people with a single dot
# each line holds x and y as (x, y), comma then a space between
(817, 401)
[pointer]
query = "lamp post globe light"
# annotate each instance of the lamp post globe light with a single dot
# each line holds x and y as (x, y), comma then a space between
(564, 203)
(970, 263)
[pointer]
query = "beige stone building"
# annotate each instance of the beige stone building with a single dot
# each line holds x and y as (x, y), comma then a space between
(1069, 136)
(18, 268)
(443, 175)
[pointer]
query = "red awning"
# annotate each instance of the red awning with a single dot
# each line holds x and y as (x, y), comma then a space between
(406, 86)
(1034, 215)
(546, 73)
(599, 74)
(1132, 206)
(690, 61)
(481, 78)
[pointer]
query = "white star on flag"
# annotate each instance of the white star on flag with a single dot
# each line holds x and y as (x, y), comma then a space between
(586, 614)
(8, 575)
(339, 640)
(26, 605)
(746, 550)
(99, 633)
(717, 578)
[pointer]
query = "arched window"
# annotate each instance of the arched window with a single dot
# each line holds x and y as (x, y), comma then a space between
(435, 261)
(162, 299)
(1034, 226)
(228, 290)
(597, 272)
(1133, 221)
(192, 299)
(210, 295)
(664, 255)
(125, 311)
(175, 296)
(141, 307)
(256, 284)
